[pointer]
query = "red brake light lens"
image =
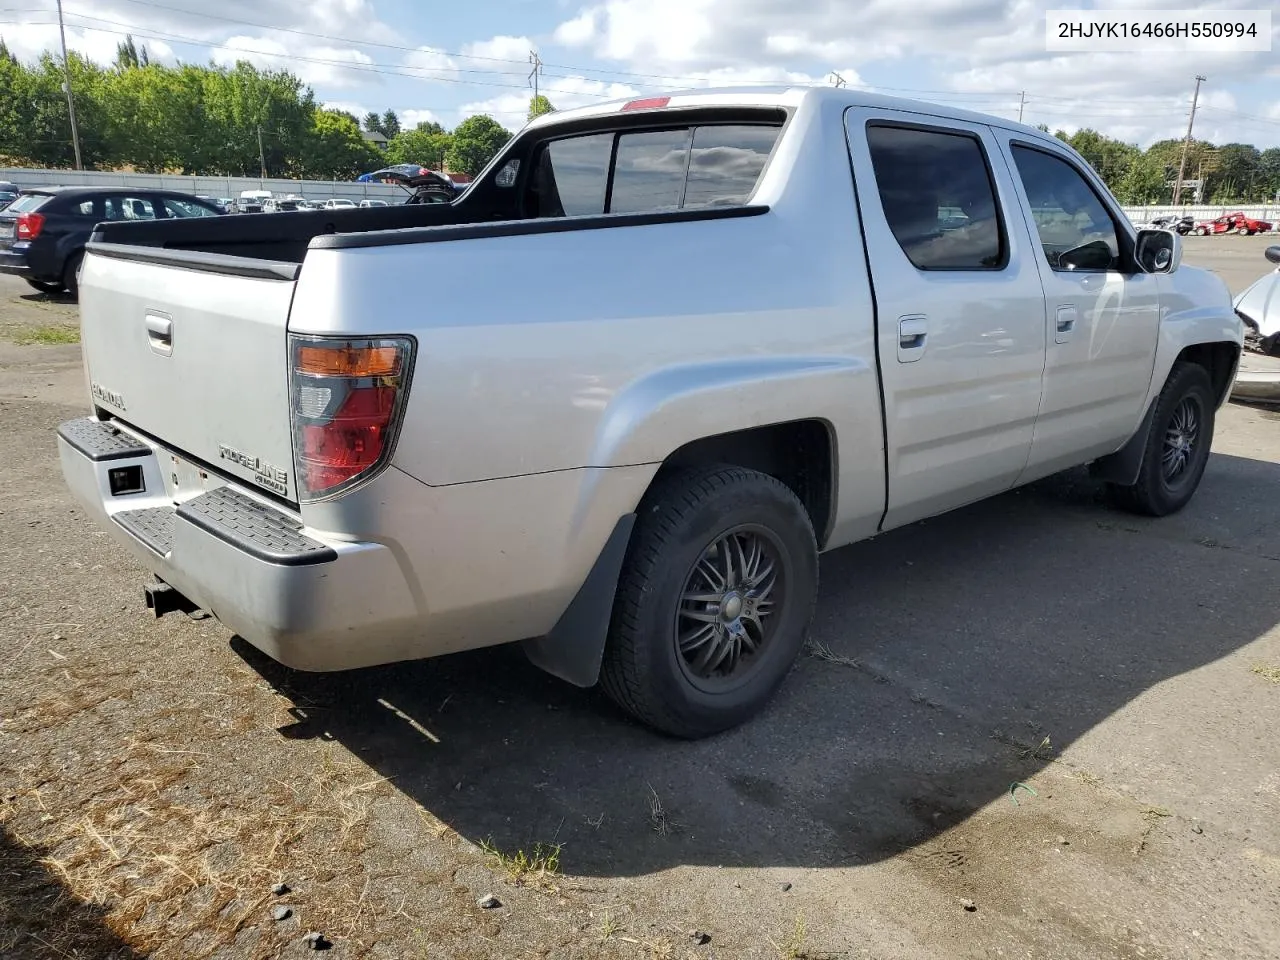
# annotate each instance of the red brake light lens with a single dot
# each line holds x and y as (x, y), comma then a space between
(348, 398)
(649, 103)
(29, 225)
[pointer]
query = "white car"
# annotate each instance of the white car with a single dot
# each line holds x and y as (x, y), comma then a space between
(338, 203)
(374, 203)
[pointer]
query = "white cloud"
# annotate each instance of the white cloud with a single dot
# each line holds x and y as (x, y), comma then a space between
(500, 48)
(512, 109)
(27, 41)
(319, 66)
(578, 31)
(410, 118)
(431, 63)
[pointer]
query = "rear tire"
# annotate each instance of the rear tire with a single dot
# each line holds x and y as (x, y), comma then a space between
(70, 280)
(1177, 446)
(714, 602)
(45, 286)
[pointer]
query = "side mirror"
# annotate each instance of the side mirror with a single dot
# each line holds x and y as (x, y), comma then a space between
(1272, 253)
(1158, 251)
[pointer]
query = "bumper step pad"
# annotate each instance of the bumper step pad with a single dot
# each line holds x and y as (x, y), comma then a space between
(257, 530)
(100, 441)
(233, 518)
(153, 526)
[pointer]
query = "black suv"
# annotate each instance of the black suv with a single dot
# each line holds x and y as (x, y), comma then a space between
(43, 232)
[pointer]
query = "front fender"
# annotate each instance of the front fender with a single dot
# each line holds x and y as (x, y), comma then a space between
(1195, 308)
(1259, 304)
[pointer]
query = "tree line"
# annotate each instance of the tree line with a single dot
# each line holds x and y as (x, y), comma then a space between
(1234, 173)
(236, 121)
(211, 121)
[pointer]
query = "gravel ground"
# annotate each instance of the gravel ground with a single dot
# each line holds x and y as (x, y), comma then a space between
(1035, 727)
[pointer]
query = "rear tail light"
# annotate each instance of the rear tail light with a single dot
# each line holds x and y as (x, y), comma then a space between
(29, 225)
(347, 401)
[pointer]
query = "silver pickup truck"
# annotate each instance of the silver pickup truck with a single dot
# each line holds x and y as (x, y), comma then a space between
(614, 400)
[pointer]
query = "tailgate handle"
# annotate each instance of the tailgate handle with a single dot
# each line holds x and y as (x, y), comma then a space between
(160, 334)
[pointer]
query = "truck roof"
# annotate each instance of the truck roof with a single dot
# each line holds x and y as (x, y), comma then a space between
(781, 95)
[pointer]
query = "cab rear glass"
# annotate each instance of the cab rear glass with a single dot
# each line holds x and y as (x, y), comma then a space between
(680, 167)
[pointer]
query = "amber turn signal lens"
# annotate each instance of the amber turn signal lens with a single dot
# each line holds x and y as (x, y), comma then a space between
(345, 361)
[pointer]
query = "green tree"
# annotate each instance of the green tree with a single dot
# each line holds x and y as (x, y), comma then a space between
(336, 150)
(390, 124)
(476, 140)
(373, 122)
(1269, 172)
(427, 144)
(1110, 158)
(1237, 173)
(539, 105)
(1144, 182)
(129, 54)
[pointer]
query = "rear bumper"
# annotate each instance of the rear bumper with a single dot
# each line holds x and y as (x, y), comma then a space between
(14, 263)
(310, 602)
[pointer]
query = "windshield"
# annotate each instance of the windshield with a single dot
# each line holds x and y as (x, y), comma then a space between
(27, 203)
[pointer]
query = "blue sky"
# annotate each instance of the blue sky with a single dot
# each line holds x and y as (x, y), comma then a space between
(443, 61)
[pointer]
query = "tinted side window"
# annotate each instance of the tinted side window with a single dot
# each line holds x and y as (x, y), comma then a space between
(571, 176)
(1075, 229)
(28, 203)
(726, 163)
(188, 208)
(648, 175)
(938, 198)
(129, 208)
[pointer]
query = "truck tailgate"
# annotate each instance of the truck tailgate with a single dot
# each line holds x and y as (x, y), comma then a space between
(192, 349)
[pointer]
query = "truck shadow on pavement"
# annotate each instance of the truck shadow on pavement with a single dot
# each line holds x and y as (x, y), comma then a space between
(35, 904)
(946, 653)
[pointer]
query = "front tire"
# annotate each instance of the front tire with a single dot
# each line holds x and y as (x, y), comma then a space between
(1177, 447)
(714, 602)
(45, 286)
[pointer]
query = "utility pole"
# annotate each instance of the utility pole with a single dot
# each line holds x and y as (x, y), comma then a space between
(66, 85)
(533, 74)
(262, 157)
(1022, 102)
(837, 81)
(1186, 144)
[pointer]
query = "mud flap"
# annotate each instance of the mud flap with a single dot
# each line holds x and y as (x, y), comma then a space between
(1122, 466)
(574, 648)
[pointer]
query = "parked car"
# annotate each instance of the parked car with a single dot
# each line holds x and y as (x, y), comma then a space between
(1180, 225)
(373, 203)
(424, 186)
(338, 203)
(43, 233)
(224, 204)
(770, 347)
(8, 193)
(1233, 223)
(253, 201)
(281, 204)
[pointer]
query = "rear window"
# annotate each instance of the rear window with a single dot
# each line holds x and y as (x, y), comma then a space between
(28, 202)
(652, 170)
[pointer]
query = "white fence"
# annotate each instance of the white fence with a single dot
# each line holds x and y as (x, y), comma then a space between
(203, 186)
(1147, 214)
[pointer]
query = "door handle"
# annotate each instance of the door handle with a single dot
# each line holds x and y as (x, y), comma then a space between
(160, 334)
(912, 333)
(1067, 316)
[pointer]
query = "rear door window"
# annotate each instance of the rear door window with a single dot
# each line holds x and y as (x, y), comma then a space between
(572, 176)
(129, 208)
(938, 197)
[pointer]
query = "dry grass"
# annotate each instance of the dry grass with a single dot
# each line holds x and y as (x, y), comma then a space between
(1267, 672)
(174, 860)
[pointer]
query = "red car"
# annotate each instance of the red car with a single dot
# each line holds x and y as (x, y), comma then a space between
(1232, 223)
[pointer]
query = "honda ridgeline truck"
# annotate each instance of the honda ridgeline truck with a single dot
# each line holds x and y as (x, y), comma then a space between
(615, 399)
